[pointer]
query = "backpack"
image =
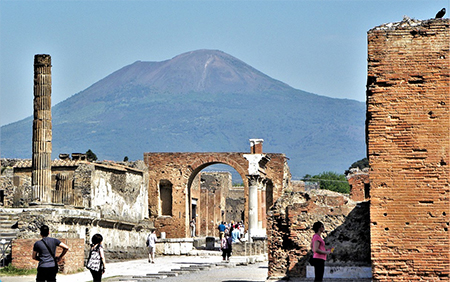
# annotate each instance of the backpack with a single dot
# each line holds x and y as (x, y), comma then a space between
(224, 243)
(94, 261)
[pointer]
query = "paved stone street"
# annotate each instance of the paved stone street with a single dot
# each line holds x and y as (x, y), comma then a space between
(201, 268)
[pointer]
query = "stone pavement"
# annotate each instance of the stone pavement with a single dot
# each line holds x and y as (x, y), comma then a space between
(126, 270)
(198, 266)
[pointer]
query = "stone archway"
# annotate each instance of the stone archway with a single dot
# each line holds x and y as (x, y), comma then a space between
(179, 170)
(211, 203)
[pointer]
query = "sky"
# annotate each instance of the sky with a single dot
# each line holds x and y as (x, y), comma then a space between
(317, 46)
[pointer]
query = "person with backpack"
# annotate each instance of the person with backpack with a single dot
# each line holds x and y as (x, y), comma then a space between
(96, 260)
(151, 244)
(226, 246)
(44, 251)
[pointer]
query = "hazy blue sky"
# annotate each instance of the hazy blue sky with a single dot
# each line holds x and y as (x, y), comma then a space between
(316, 46)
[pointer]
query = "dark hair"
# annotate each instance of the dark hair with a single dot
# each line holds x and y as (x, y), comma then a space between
(97, 239)
(317, 226)
(44, 230)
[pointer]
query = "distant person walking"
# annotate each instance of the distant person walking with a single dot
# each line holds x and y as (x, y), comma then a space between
(221, 228)
(151, 245)
(96, 261)
(226, 246)
(44, 251)
(320, 253)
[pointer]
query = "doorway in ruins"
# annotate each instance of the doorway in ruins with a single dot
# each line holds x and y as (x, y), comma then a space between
(216, 194)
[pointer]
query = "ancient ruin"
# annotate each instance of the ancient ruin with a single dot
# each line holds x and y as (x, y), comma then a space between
(408, 131)
(394, 222)
(171, 189)
(42, 129)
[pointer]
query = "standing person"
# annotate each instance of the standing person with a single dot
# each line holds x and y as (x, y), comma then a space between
(241, 229)
(226, 246)
(221, 228)
(44, 251)
(151, 244)
(192, 224)
(236, 235)
(96, 261)
(320, 253)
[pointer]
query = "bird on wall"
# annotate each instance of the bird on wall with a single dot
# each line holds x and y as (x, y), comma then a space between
(440, 14)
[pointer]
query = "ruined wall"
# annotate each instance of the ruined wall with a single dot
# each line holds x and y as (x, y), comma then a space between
(234, 205)
(119, 191)
(359, 184)
(180, 169)
(290, 231)
(122, 240)
(120, 195)
(71, 262)
(214, 188)
(408, 119)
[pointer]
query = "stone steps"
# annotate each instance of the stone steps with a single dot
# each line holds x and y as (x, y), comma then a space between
(190, 268)
(9, 228)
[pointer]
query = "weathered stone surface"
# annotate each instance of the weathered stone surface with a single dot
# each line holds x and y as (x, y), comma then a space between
(290, 231)
(181, 170)
(408, 129)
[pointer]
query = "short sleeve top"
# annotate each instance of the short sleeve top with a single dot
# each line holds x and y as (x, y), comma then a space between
(318, 238)
(46, 258)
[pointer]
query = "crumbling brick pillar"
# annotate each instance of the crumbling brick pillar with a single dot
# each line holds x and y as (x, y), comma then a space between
(408, 142)
(42, 130)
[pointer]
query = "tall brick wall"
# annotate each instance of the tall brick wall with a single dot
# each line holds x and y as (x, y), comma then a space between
(22, 250)
(408, 127)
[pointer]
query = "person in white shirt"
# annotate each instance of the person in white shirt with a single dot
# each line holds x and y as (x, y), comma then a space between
(151, 244)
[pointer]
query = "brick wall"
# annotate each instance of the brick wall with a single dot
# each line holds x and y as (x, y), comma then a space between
(289, 231)
(359, 184)
(22, 250)
(408, 120)
(180, 169)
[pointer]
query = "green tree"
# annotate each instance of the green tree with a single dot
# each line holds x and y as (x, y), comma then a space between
(362, 163)
(125, 159)
(91, 156)
(330, 181)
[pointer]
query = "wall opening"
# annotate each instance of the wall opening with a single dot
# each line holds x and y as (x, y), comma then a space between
(269, 194)
(165, 197)
(366, 191)
(218, 192)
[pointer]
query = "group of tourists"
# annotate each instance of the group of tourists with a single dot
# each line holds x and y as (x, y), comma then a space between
(44, 251)
(228, 234)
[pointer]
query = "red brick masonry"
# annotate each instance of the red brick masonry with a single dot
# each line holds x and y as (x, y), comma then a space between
(22, 250)
(408, 125)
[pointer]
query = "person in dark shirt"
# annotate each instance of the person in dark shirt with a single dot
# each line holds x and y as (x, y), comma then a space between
(44, 251)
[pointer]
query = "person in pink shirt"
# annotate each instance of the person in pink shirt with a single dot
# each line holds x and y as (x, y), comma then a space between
(320, 253)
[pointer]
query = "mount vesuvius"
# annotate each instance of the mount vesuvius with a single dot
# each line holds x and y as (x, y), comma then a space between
(200, 101)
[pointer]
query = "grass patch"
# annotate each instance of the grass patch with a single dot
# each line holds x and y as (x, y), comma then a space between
(10, 270)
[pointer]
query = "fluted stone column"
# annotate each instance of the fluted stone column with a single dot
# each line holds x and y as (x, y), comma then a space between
(255, 186)
(255, 182)
(42, 130)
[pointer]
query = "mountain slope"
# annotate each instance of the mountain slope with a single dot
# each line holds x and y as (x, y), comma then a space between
(201, 101)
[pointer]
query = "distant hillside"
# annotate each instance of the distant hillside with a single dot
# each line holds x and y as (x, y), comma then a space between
(200, 101)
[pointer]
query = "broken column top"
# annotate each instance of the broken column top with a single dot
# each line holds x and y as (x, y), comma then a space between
(42, 59)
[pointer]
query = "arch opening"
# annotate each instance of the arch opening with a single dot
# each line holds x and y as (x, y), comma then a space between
(216, 194)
